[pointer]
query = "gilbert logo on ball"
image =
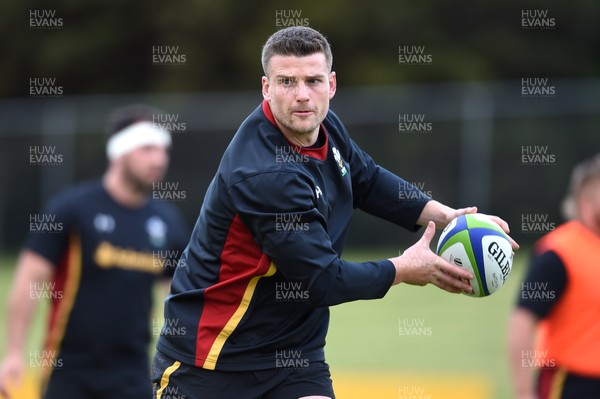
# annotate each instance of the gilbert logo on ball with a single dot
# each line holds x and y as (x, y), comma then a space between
(477, 244)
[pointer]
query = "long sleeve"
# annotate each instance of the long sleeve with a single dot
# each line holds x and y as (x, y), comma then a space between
(279, 209)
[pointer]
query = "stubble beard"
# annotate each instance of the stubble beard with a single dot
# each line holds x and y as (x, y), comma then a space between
(136, 183)
(301, 130)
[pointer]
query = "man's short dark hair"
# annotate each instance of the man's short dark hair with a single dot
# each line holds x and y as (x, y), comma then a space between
(122, 117)
(297, 41)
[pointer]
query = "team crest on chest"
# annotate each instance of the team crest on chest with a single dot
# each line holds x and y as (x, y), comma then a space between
(104, 223)
(157, 231)
(339, 160)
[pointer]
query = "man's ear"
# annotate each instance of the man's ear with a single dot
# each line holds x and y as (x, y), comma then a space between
(332, 84)
(265, 88)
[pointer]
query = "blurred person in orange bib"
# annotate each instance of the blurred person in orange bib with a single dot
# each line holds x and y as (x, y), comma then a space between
(560, 302)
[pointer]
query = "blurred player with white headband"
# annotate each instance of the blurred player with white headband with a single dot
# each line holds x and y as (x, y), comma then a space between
(100, 270)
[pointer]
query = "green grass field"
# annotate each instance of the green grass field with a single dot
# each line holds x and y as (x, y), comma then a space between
(463, 335)
(445, 339)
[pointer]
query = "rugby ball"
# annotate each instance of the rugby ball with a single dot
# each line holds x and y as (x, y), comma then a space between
(477, 244)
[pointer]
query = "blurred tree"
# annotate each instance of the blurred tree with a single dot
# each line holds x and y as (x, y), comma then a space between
(106, 47)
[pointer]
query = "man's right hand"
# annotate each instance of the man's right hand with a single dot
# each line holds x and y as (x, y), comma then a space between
(418, 265)
(31, 268)
(11, 373)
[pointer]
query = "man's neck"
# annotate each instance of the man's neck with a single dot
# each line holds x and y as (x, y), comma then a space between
(122, 192)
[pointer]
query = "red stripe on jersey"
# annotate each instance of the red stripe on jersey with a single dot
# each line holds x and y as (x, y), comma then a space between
(319, 153)
(241, 260)
(65, 288)
(58, 287)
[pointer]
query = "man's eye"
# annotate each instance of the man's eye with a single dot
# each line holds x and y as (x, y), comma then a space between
(286, 81)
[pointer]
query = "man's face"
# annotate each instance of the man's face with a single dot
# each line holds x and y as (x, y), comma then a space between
(145, 165)
(298, 90)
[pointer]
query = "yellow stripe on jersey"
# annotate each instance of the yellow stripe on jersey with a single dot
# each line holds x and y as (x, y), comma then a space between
(211, 360)
(558, 383)
(164, 380)
(72, 280)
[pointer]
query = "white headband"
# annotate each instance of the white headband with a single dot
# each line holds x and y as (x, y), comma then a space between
(134, 136)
